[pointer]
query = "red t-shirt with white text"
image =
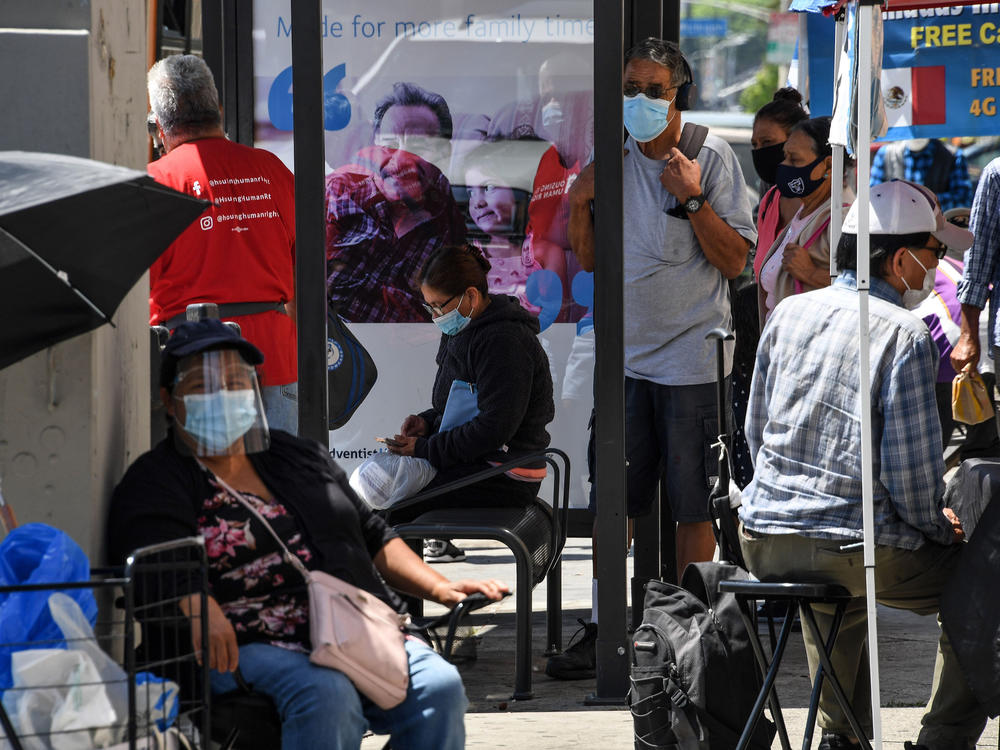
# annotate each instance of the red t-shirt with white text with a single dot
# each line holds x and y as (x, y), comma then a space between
(242, 249)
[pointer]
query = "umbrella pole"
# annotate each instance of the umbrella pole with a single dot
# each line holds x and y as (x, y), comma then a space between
(864, 106)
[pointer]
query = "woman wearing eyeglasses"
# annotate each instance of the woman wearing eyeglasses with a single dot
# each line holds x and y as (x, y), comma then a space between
(489, 341)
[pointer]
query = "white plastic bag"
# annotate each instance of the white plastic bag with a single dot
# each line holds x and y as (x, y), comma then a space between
(58, 695)
(77, 698)
(385, 478)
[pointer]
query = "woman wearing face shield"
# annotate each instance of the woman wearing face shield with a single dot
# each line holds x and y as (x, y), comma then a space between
(219, 449)
(491, 342)
(799, 258)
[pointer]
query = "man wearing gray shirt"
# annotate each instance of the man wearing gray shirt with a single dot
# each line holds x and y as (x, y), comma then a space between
(688, 229)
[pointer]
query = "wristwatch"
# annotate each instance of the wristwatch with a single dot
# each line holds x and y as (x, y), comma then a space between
(694, 203)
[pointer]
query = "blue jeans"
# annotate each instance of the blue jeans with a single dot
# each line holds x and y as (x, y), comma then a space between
(320, 708)
(281, 406)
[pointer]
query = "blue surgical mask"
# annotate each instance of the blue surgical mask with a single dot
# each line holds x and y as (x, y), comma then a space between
(453, 321)
(552, 116)
(646, 118)
(219, 419)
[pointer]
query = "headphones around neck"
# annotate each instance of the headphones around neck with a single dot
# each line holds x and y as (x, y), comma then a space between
(687, 92)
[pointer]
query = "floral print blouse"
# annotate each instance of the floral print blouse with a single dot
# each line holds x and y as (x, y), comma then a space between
(264, 597)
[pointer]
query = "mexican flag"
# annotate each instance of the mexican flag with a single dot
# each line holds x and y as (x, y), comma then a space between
(914, 96)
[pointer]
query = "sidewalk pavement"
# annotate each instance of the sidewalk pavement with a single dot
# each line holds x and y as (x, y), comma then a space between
(557, 718)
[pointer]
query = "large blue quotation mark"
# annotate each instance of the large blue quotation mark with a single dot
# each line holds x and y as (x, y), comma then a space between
(336, 107)
(544, 289)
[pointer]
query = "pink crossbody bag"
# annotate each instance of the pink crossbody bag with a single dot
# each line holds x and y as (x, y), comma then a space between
(351, 630)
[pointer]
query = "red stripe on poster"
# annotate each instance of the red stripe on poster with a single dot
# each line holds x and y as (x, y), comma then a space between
(928, 95)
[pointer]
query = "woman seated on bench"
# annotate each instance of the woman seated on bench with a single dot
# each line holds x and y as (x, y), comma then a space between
(491, 342)
(258, 614)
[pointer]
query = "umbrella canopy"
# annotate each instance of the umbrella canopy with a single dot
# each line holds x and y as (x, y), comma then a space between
(75, 236)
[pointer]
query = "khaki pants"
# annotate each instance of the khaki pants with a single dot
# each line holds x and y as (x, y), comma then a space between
(904, 579)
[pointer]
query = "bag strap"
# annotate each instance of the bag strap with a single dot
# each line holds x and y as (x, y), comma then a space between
(692, 139)
(798, 284)
(290, 558)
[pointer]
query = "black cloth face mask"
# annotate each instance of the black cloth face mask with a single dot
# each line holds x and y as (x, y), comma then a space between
(766, 161)
(795, 182)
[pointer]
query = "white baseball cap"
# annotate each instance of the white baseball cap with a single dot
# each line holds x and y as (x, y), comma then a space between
(902, 207)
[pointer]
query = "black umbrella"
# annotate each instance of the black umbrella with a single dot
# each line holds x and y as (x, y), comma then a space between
(75, 236)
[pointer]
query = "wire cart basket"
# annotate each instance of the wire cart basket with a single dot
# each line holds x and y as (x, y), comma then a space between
(153, 695)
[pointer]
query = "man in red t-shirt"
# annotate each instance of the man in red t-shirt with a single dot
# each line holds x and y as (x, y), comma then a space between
(241, 253)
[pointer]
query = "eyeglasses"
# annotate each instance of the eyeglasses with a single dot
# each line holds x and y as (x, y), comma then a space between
(436, 310)
(939, 252)
(653, 90)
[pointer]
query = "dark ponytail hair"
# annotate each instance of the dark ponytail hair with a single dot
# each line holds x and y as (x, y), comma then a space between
(818, 131)
(785, 109)
(452, 269)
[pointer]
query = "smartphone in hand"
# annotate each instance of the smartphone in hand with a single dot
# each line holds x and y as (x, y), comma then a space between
(391, 442)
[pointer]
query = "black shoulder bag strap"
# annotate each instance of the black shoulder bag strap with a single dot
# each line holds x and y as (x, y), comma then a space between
(692, 139)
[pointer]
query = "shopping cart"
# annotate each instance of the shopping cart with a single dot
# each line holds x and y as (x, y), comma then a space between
(150, 639)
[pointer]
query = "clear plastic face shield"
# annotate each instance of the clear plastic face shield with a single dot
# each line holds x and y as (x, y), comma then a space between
(216, 406)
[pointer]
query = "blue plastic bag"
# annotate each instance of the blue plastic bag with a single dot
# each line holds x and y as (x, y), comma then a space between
(37, 553)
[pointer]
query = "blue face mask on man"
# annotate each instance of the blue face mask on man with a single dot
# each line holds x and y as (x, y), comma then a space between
(646, 118)
(453, 321)
(219, 419)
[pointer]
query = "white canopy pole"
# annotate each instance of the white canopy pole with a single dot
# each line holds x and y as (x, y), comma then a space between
(837, 178)
(864, 109)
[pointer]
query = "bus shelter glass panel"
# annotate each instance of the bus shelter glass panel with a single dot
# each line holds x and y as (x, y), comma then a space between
(446, 122)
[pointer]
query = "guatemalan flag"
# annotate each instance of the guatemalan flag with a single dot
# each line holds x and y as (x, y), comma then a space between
(914, 96)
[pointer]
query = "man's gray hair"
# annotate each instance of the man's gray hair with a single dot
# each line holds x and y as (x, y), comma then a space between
(182, 94)
(411, 95)
(663, 53)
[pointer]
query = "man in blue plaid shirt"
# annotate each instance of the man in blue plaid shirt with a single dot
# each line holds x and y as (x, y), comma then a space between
(928, 162)
(802, 513)
(982, 270)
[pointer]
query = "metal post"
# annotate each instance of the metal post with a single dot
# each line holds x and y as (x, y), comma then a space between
(612, 664)
(243, 113)
(671, 23)
(310, 254)
(211, 40)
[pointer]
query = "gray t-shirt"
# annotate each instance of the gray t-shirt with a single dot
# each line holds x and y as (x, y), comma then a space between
(673, 295)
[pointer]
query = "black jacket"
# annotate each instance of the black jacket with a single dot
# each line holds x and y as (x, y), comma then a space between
(160, 495)
(500, 353)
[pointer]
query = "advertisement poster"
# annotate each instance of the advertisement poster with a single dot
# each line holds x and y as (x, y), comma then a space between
(939, 71)
(445, 126)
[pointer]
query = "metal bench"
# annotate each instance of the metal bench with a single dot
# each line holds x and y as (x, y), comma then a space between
(534, 534)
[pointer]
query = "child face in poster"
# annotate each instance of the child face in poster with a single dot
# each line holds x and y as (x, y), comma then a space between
(491, 204)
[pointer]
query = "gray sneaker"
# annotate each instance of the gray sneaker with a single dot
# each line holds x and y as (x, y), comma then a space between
(442, 551)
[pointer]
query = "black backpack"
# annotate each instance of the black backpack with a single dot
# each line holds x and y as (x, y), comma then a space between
(694, 678)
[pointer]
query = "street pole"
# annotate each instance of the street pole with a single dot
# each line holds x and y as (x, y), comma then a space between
(310, 253)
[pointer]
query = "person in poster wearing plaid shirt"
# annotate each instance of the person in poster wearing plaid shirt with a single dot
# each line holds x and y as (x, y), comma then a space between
(801, 518)
(390, 210)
